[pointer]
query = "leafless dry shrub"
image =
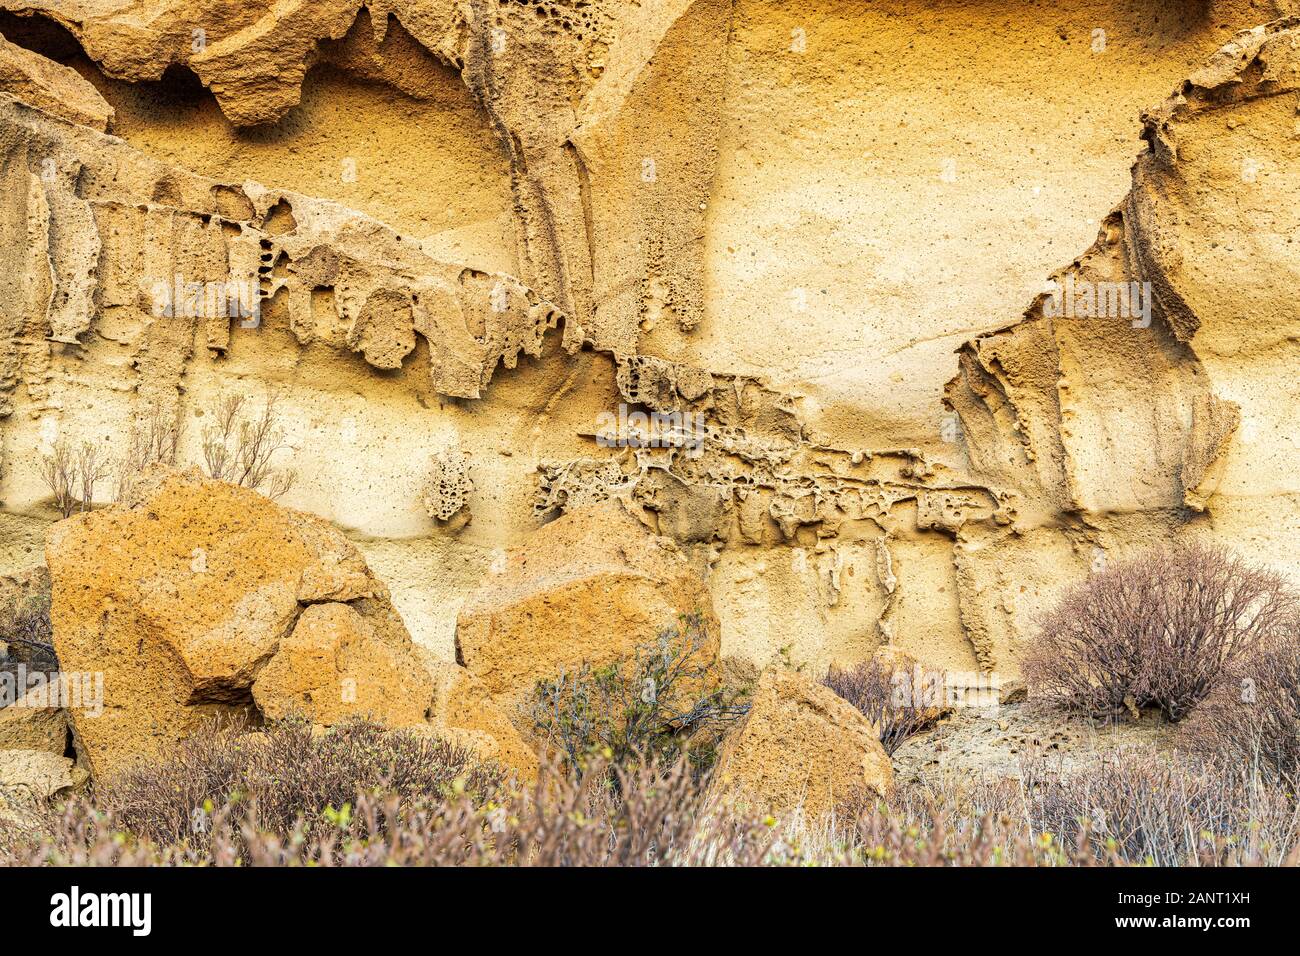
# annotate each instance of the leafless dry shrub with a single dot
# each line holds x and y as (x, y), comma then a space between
(1157, 631)
(239, 448)
(59, 472)
(899, 702)
(291, 779)
(153, 439)
(25, 629)
(72, 473)
(631, 816)
(362, 796)
(646, 814)
(92, 467)
(1253, 716)
(1163, 809)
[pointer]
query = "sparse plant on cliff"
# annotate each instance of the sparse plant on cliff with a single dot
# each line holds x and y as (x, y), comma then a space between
(72, 473)
(1157, 631)
(58, 471)
(238, 448)
(899, 701)
(663, 702)
(92, 468)
(154, 439)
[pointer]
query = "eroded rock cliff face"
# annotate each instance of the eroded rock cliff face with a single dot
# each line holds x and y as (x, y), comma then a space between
(759, 270)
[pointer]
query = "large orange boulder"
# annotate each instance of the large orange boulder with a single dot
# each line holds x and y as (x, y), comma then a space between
(199, 598)
(589, 587)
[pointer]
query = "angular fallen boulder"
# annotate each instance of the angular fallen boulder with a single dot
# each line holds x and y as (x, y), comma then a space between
(336, 658)
(464, 713)
(198, 598)
(36, 721)
(800, 746)
(52, 87)
(591, 586)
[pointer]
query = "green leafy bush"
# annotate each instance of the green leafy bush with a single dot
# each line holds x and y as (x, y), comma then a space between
(662, 703)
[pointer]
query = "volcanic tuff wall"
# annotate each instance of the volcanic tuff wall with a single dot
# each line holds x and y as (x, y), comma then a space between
(807, 230)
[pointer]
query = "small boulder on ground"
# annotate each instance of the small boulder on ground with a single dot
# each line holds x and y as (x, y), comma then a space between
(800, 746)
(34, 775)
(36, 721)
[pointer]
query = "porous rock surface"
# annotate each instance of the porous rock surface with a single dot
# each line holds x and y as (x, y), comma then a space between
(28, 776)
(1013, 741)
(200, 599)
(588, 588)
(35, 721)
(800, 747)
(816, 233)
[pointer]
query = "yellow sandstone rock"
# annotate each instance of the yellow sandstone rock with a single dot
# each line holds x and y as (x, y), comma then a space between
(51, 87)
(35, 722)
(200, 598)
(752, 235)
(464, 713)
(590, 587)
(337, 664)
(33, 775)
(800, 747)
